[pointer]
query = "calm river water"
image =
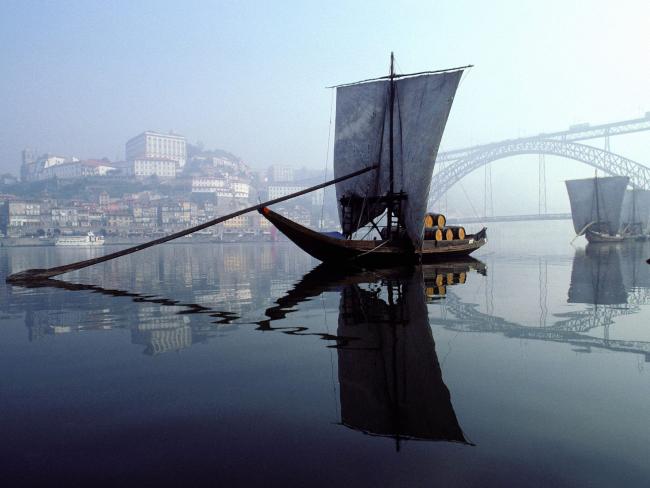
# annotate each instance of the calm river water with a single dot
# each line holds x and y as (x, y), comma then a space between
(249, 365)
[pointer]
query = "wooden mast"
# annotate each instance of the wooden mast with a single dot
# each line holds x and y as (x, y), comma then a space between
(389, 213)
(633, 206)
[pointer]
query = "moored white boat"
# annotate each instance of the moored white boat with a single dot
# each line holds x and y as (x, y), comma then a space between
(89, 239)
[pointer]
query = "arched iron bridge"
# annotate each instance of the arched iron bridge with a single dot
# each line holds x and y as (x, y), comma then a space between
(455, 165)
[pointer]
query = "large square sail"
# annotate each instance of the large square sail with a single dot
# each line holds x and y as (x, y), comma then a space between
(597, 201)
(421, 106)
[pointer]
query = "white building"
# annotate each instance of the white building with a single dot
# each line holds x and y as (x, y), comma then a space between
(49, 161)
(19, 213)
(154, 145)
(278, 173)
(76, 169)
(207, 184)
(144, 167)
(277, 191)
(221, 187)
(49, 166)
(240, 189)
(34, 168)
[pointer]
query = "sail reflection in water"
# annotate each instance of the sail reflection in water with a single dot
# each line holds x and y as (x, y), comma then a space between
(615, 281)
(596, 276)
(390, 379)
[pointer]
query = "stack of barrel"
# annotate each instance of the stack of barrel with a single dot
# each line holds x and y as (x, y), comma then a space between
(435, 229)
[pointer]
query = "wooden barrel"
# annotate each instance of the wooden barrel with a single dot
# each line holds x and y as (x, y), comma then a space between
(432, 234)
(453, 232)
(459, 232)
(434, 220)
(434, 291)
(440, 280)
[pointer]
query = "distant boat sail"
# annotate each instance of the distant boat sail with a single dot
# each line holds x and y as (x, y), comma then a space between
(596, 206)
(635, 215)
(395, 124)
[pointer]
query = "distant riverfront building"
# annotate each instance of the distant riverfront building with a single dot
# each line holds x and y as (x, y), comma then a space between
(221, 187)
(76, 169)
(143, 167)
(278, 173)
(278, 191)
(155, 146)
(18, 215)
(49, 166)
(36, 168)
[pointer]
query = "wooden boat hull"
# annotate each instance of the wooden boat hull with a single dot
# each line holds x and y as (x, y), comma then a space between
(330, 249)
(600, 238)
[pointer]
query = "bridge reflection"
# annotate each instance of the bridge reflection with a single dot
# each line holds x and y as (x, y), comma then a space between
(612, 281)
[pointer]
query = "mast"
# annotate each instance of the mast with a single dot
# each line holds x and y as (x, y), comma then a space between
(391, 101)
(390, 126)
(597, 205)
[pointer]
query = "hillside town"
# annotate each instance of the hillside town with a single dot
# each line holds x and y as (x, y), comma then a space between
(163, 185)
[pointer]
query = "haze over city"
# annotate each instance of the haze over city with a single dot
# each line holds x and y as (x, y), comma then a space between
(81, 78)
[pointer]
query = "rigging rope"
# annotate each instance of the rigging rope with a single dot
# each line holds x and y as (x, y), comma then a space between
(468, 200)
(327, 156)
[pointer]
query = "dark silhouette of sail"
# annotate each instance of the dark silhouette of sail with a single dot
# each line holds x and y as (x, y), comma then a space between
(390, 379)
(420, 110)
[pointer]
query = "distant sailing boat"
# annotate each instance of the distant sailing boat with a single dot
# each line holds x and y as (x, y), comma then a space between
(395, 123)
(596, 207)
(636, 213)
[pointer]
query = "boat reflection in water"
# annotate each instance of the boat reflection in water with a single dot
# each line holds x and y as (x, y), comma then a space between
(612, 280)
(615, 280)
(596, 276)
(390, 379)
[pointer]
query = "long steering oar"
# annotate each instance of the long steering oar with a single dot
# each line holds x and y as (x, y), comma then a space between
(42, 274)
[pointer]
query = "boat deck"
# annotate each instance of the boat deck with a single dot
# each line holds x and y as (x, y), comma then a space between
(330, 249)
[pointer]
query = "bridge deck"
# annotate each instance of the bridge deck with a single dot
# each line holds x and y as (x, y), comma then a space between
(509, 218)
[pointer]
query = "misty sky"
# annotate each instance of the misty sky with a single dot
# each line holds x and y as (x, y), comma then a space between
(80, 78)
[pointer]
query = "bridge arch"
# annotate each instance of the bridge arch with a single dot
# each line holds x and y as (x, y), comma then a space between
(606, 161)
